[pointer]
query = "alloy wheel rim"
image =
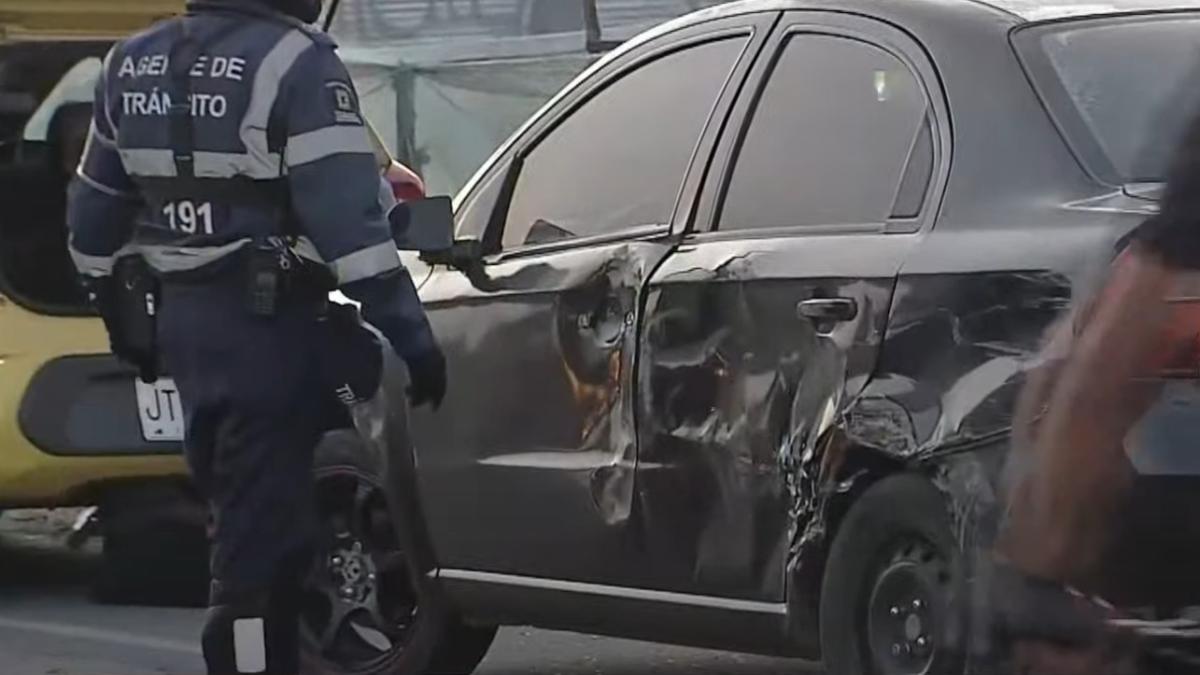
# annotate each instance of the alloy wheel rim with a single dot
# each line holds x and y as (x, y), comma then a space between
(359, 604)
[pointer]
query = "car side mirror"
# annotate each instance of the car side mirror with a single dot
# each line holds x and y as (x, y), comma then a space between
(424, 225)
(427, 226)
(463, 254)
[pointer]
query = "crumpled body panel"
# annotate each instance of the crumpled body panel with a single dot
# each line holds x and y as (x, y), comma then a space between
(738, 389)
(529, 468)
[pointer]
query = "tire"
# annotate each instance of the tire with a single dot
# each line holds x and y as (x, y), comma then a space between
(888, 600)
(403, 625)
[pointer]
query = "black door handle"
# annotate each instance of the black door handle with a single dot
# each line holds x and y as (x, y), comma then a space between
(828, 310)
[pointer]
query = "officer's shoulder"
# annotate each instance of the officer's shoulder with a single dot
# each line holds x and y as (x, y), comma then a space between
(319, 37)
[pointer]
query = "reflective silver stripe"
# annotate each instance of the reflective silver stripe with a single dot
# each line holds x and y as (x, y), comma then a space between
(367, 262)
(101, 187)
(94, 134)
(159, 163)
(250, 645)
(229, 164)
(167, 259)
(322, 143)
(307, 250)
(96, 265)
(624, 592)
(258, 162)
(265, 90)
(104, 73)
(87, 148)
(389, 258)
(148, 163)
(91, 265)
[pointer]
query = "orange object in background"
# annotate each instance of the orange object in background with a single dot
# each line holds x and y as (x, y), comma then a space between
(406, 184)
(80, 19)
(1179, 351)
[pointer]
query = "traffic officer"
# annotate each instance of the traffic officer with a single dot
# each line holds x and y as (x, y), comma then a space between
(228, 152)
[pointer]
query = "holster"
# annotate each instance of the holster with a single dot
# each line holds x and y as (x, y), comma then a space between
(350, 355)
(129, 305)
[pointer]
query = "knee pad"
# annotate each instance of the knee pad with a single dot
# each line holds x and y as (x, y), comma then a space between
(251, 636)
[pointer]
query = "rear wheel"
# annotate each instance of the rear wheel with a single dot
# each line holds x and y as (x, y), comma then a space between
(366, 610)
(888, 594)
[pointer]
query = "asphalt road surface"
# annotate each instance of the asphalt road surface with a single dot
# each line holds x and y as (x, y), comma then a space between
(48, 627)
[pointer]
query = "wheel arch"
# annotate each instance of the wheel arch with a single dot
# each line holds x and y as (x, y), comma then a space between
(399, 486)
(853, 471)
(967, 479)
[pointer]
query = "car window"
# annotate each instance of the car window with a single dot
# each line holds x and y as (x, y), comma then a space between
(834, 130)
(1122, 87)
(29, 74)
(619, 160)
(78, 85)
(917, 176)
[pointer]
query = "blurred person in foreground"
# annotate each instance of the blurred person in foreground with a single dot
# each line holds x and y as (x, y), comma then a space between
(1062, 569)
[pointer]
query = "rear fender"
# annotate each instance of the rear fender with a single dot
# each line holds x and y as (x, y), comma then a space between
(840, 471)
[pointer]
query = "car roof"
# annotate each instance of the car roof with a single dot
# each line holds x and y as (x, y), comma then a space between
(1041, 10)
(1021, 11)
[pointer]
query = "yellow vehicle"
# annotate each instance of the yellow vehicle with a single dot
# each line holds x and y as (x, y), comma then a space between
(72, 431)
(48, 455)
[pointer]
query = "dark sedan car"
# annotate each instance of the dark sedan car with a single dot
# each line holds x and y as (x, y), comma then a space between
(736, 325)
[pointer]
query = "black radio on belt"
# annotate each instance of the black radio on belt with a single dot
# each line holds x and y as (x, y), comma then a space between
(276, 275)
(267, 270)
(265, 281)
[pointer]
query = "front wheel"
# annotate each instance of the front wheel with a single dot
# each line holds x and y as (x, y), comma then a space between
(367, 611)
(888, 593)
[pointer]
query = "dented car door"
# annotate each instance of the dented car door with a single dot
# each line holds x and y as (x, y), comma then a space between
(527, 472)
(765, 324)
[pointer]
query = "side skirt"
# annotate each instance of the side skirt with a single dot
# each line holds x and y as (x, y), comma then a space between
(636, 613)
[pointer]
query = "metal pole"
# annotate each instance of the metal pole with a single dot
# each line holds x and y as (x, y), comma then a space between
(596, 44)
(333, 7)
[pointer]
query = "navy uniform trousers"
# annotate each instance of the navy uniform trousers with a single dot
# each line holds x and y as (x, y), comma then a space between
(255, 408)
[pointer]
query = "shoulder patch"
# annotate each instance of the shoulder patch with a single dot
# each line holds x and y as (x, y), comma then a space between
(345, 102)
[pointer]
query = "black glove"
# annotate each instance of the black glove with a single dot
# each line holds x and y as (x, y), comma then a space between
(351, 359)
(427, 372)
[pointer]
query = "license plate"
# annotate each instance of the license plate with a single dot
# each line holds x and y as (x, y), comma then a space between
(160, 410)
